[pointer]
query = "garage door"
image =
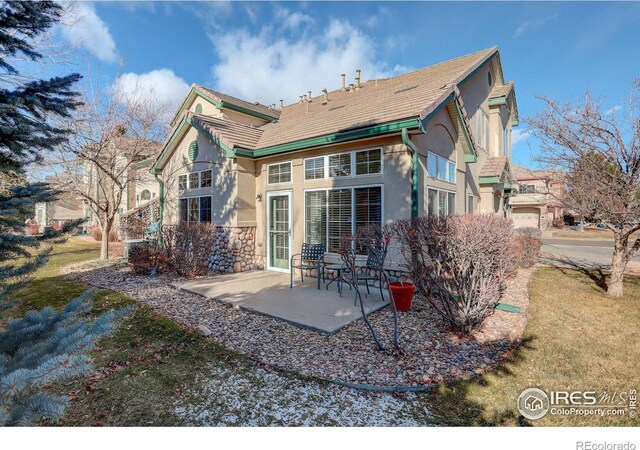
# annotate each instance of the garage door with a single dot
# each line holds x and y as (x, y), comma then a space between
(526, 217)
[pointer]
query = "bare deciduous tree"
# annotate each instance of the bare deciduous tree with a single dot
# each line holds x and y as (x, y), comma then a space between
(599, 151)
(111, 132)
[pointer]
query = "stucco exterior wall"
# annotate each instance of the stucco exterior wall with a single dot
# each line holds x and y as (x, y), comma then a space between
(224, 180)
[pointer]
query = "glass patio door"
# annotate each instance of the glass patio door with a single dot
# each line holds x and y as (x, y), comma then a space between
(279, 231)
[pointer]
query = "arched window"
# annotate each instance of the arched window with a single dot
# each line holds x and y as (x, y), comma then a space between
(198, 108)
(145, 195)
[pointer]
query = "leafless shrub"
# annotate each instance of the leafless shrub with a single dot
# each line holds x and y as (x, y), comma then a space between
(146, 259)
(526, 251)
(529, 232)
(458, 263)
(187, 247)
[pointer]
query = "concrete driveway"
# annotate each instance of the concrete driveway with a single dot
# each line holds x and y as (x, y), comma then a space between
(588, 252)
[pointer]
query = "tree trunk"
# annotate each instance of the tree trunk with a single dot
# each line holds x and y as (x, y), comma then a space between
(618, 265)
(104, 247)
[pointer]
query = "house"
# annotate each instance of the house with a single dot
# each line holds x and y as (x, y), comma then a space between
(66, 207)
(432, 141)
(536, 198)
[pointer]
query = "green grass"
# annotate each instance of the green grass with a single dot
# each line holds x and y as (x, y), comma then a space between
(577, 338)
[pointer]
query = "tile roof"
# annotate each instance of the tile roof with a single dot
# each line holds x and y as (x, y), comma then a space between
(377, 102)
(494, 167)
(230, 133)
(501, 91)
(220, 97)
(524, 173)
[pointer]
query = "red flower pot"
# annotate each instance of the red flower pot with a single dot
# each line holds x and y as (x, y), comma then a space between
(402, 294)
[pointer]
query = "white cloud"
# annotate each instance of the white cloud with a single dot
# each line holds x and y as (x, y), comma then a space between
(613, 110)
(518, 136)
(83, 28)
(533, 25)
(293, 20)
(264, 66)
(162, 84)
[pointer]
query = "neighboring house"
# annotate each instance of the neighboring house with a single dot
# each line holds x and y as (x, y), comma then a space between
(68, 206)
(535, 200)
(433, 141)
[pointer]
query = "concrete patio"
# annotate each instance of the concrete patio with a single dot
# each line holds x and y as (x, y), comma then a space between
(268, 293)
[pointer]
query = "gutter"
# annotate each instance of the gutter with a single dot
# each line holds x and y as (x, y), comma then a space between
(414, 172)
(160, 204)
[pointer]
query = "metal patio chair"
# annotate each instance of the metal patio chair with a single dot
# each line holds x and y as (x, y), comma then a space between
(311, 257)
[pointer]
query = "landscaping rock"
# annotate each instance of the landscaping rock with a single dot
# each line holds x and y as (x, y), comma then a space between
(203, 330)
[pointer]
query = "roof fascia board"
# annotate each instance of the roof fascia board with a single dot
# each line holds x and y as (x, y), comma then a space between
(474, 71)
(192, 93)
(246, 111)
(467, 132)
(490, 180)
(497, 101)
(228, 151)
(335, 138)
(168, 145)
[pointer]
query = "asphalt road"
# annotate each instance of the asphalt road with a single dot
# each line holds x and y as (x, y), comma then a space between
(581, 251)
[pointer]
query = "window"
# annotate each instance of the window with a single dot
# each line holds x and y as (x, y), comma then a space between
(441, 168)
(182, 182)
(195, 209)
(145, 195)
(483, 128)
(340, 165)
(193, 180)
(205, 179)
(527, 188)
(205, 209)
(314, 168)
(505, 141)
(334, 213)
(316, 217)
(470, 206)
(369, 162)
(440, 202)
(279, 173)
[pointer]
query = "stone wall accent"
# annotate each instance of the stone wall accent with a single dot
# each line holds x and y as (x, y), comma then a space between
(135, 222)
(234, 250)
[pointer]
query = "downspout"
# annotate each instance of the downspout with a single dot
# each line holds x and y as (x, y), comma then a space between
(414, 172)
(160, 205)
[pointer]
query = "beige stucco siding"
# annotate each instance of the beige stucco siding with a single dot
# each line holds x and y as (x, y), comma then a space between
(224, 179)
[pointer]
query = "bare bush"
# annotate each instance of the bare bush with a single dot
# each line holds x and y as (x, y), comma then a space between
(558, 222)
(529, 232)
(187, 247)
(146, 259)
(458, 263)
(526, 251)
(96, 233)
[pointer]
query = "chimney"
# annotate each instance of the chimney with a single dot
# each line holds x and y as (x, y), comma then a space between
(309, 95)
(358, 85)
(281, 103)
(326, 96)
(351, 87)
(344, 80)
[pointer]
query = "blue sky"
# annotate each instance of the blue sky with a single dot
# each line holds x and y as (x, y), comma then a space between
(266, 51)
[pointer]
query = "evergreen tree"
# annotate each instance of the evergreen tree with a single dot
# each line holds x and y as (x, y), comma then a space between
(45, 346)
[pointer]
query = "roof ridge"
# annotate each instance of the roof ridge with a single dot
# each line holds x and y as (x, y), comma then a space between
(221, 119)
(219, 94)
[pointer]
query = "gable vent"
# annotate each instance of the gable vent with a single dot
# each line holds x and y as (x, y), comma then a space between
(193, 150)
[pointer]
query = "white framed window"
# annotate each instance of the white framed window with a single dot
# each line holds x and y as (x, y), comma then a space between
(279, 173)
(483, 128)
(182, 182)
(527, 189)
(331, 214)
(194, 180)
(314, 168)
(205, 179)
(441, 168)
(195, 209)
(440, 202)
(369, 162)
(340, 165)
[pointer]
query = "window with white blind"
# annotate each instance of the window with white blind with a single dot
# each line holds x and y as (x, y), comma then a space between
(333, 213)
(440, 202)
(314, 168)
(279, 173)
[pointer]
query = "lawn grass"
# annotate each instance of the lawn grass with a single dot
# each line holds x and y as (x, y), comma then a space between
(146, 362)
(577, 338)
(589, 233)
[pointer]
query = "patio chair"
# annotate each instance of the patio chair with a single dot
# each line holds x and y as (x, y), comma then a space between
(375, 264)
(311, 257)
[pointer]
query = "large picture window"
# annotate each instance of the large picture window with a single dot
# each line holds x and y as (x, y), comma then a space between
(334, 213)
(440, 202)
(279, 173)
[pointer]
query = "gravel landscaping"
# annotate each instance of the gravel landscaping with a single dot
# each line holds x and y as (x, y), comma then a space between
(431, 354)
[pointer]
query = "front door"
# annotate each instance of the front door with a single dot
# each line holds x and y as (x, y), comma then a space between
(279, 232)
